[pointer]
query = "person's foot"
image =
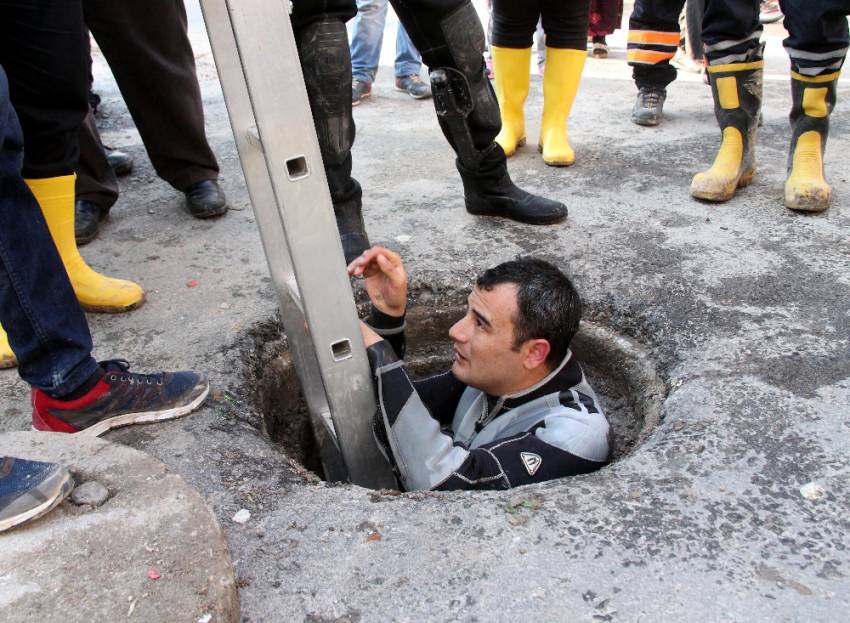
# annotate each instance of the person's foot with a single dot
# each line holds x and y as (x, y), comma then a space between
(205, 199)
(770, 12)
(87, 218)
(493, 193)
(120, 398)
(649, 106)
(600, 47)
(413, 86)
(121, 163)
(28, 489)
(682, 60)
(360, 90)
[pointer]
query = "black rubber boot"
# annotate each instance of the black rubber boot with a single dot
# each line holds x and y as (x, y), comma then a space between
(326, 63)
(489, 191)
(737, 90)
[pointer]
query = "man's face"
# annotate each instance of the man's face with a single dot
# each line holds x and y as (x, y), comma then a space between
(484, 339)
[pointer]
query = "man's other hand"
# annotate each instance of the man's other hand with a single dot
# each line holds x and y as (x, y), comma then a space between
(385, 279)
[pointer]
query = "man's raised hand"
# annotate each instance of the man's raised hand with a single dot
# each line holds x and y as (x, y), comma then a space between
(385, 279)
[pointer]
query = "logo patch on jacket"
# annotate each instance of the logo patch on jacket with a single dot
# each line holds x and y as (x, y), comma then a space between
(531, 461)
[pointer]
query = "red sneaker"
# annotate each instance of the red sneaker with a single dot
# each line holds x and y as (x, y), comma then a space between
(121, 398)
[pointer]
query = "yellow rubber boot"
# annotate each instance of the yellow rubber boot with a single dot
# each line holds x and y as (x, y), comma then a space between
(7, 357)
(560, 85)
(737, 89)
(813, 100)
(512, 68)
(95, 292)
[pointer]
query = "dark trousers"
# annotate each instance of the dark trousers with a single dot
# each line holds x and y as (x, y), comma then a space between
(147, 48)
(96, 181)
(818, 34)
(44, 51)
(422, 21)
(38, 309)
(564, 22)
(724, 22)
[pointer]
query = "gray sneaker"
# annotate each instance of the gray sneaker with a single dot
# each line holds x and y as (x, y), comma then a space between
(649, 106)
(360, 90)
(28, 489)
(413, 85)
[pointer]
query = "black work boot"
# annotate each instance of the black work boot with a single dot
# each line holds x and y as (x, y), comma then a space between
(87, 218)
(489, 191)
(649, 106)
(326, 64)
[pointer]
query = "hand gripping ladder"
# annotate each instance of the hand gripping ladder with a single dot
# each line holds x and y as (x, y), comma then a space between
(257, 62)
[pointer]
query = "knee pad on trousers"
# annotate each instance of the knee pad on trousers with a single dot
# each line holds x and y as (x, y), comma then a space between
(326, 63)
(465, 39)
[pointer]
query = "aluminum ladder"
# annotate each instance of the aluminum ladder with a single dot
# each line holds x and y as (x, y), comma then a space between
(257, 61)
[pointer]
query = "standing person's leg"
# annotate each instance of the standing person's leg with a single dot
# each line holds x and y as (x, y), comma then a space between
(367, 38)
(565, 24)
(817, 46)
(540, 44)
(653, 40)
(319, 27)
(449, 35)
(514, 24)
(48, 90)
(408, 64)
(605, 17)
(732, 37)
(71, 392)
(47, 328)
(147, 47)
(97, 184)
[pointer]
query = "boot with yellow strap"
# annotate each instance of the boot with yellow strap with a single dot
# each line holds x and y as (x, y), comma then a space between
(813, 98)
(560, 85)
(737, 90)
(511, 67)
(96, 292)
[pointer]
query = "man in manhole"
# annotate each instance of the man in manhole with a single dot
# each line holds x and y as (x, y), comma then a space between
(515, 407)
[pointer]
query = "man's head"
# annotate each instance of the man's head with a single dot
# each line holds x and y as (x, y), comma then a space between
(521, 318)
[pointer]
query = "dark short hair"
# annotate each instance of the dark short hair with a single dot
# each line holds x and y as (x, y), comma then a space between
(548, 306)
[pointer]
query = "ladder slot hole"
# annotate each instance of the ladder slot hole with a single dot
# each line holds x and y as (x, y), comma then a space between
(296, 168)
(341, 350)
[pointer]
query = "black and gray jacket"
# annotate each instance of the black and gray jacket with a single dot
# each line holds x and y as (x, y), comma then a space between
(441, 434)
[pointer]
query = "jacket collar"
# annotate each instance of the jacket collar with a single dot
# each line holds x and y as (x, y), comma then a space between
(565, 376)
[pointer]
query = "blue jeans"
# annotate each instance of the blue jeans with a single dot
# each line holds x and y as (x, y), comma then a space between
(367, 37)
(38, 309)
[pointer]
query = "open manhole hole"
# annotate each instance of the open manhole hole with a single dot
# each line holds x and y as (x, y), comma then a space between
(622, 375)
